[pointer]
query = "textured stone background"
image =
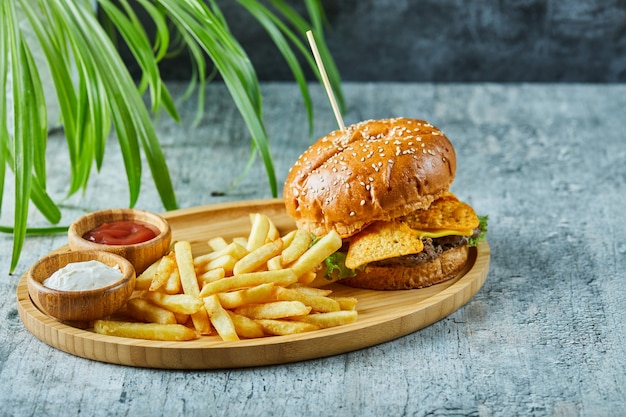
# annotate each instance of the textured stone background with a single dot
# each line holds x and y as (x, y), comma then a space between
(454, 40)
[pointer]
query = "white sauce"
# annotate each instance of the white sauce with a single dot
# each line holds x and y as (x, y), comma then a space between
(83, 276)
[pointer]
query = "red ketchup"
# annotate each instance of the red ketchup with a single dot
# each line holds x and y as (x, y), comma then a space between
(121, 232)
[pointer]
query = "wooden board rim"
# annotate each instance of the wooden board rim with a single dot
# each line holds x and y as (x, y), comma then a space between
(383, 316)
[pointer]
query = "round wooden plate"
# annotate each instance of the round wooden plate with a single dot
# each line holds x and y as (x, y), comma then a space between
(383, 315)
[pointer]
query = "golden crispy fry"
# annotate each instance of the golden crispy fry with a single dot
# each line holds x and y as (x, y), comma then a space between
(272, 232)
(176, 303)
(307, 278)
(172, 285)
(189, 282)
(288, 238)
(220, 319)
(330, 319)
(274, 310)
(346, 303)
(212, 275)
(281, 277)
(149, 331)
(245, 326)
(144, 310)
(310, 290)
(382, 240)
(243, 241)
(258, 232)
(274, 264)
(258, 257)
(181, 318)
(285, 327)
(162, 273)
(300, 243)
(316, 302)
(316, 254)
(254, 295)
(217, 243)
(226, 262)
(144, 280)
(233, 249)
(201, 322)
(184, 259)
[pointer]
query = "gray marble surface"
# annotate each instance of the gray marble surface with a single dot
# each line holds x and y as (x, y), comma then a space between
(545, 336)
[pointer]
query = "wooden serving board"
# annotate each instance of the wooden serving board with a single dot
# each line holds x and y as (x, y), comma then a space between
(383, 315)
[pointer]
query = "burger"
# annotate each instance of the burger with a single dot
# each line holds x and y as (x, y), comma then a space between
(384, 187)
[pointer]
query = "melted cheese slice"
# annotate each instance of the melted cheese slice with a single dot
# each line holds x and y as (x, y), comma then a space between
(444, 232)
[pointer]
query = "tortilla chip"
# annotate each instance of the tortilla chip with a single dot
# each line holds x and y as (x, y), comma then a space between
(382, 240)
(445, 213)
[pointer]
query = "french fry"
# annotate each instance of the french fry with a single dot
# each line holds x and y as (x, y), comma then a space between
(258, 231)
(220, 319)
(274, 310)
(285, 327)
(144, 280)
(316, 254)
(254, 295)
(272, 232)
(310, 291)
(288, 238)
(234, 249)
(317, 303)
(281, 277)
(172, 285)
(258, 257)
(149, 331)
(144, 310)
(162, 273)
(307, 277)
(226, 262)
(176, 303)
(181, 318)
(217, 243)
(189, 282)
(243, 241)
(346, 303)
(201, 322)
(184, 259)
(300, 243)
(330, 319)
(212, 275)
(274, 264)
(245, 326)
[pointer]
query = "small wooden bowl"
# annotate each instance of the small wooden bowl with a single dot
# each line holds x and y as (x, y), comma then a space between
(141, 255)
(79, 305)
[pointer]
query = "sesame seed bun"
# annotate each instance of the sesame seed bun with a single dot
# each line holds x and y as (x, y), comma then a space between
(376, 170)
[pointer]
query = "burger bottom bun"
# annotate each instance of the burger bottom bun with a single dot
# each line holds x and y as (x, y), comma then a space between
(441, 269)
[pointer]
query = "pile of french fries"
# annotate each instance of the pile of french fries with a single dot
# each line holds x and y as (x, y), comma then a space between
(254, 286)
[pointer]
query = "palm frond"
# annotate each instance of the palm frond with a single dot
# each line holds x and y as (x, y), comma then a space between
(97, 95)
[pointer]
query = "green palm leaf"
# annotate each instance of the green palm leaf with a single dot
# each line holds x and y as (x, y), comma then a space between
(96, 93)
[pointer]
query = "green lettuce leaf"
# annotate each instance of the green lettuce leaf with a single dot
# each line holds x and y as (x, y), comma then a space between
(475, 240)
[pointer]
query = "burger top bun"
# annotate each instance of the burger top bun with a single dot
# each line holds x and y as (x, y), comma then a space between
(373, 170)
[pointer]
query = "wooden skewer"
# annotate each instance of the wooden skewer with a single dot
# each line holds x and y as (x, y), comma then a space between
(329, 91)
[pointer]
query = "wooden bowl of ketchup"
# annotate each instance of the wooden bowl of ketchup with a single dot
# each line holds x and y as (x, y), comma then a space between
(140, 236)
